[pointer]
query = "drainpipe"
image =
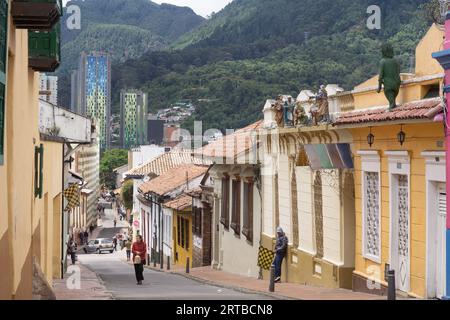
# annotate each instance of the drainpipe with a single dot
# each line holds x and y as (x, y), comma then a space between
(443, 58)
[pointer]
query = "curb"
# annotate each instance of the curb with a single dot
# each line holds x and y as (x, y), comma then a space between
(222, 285)
(101, 282)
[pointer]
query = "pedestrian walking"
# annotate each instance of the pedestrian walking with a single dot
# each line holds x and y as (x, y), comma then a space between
(72, 250)
(280, 252)
(86, 236)
(81, 237)
(115, 222)
(139, 249)
(128, 249)
(115, 243)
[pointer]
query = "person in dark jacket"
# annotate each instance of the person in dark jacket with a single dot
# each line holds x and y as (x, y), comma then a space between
(280, 252)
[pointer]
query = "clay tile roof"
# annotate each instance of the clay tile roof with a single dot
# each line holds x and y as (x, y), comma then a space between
(423, 109)
(164, 163)
(195, 193)
(231, 145)
(181, 203)
(173, 179)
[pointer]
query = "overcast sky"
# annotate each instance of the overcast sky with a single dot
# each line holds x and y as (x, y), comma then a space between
(201, 7)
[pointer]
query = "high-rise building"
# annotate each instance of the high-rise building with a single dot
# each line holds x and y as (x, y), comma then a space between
(48, 89)
(155, 129)
(133, 118)
(91, 92)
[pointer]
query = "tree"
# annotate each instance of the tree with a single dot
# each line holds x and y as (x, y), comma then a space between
(111, 160)
(127, 194)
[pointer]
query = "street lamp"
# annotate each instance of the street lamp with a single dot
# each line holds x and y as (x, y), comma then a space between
(370, 138)
(401, 136)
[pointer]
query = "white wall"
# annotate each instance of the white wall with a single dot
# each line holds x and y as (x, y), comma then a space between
(284, 192)
(331, 199)
(305, 209)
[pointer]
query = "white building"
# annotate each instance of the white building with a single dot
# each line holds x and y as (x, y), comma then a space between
(48, 90)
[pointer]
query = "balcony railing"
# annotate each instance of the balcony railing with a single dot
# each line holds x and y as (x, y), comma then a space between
(44, 49)
(36, 14)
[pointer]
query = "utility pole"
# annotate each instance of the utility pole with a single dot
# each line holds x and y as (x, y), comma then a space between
(444, 59)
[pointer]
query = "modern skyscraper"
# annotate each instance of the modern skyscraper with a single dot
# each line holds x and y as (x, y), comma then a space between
(91, 92)
(133, 118)
(48, 90)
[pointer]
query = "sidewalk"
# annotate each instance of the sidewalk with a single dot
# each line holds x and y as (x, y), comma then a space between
(251, 285)
(92, 287)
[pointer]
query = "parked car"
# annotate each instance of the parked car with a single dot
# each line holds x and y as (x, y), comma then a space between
(99, 246)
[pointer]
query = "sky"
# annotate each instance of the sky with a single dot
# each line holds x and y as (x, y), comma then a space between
(201, 7)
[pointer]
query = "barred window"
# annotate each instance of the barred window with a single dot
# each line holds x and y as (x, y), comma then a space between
(236, 207)
(247, 228)
(225, 211)
(372, 215)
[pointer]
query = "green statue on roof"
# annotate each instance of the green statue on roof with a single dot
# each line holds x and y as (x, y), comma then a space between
(389, 75)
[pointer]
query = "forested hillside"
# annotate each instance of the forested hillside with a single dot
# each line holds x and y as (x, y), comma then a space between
(255, 49)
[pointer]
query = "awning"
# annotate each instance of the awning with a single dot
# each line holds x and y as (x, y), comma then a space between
(329, 156)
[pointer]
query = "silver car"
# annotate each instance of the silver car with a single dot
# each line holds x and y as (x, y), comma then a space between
(99, 246)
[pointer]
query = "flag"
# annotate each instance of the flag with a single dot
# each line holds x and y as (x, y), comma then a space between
(73, 197)
(265, 258)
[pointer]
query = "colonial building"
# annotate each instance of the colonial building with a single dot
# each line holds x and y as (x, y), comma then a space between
(307, 190)
(236, 221)
(400, 180)
(202, 212)
(29, 201)
(153, 221)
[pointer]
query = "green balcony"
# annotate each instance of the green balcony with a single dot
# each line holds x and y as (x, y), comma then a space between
(36, 14)
(44, 49)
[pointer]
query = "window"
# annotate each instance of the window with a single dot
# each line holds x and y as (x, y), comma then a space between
(371, 204)
(38, 170)
(197, 225)
(372, 214)
(236, 207)
(3, 59)
(183, 232)
(224, 217)
(247, 228)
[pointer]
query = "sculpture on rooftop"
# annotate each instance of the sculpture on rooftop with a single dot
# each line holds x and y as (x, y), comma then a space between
(300, 117)
(389, 76)
(278, 106)
(320, 110)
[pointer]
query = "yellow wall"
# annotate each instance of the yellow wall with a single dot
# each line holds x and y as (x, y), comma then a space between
(419, 137)
(26, 223)
(182, 253)
(365, 93)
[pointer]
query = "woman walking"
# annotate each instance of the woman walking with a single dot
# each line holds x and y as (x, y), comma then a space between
(139, 250)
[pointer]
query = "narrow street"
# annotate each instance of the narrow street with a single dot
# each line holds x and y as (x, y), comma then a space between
(119, 280)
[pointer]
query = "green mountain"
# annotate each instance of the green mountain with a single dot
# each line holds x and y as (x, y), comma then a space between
(255, 49)
(126, 29)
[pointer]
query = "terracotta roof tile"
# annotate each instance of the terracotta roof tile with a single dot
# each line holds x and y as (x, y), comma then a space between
(180, 203)
(164, 163)
(232, 145)
(195, 193)
(423, 109)
(173, 179)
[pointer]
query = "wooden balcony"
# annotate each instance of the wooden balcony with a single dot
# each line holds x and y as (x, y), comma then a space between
(44, 49)
(36, 14)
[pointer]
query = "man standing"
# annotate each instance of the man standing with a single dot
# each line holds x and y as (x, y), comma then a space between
(280, 252)
(115, 222)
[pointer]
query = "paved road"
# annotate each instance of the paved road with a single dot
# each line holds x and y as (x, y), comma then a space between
(119, 279)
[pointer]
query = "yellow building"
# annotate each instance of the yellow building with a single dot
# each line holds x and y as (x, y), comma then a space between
(400, 180)
(33, 151)
(182, 246)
